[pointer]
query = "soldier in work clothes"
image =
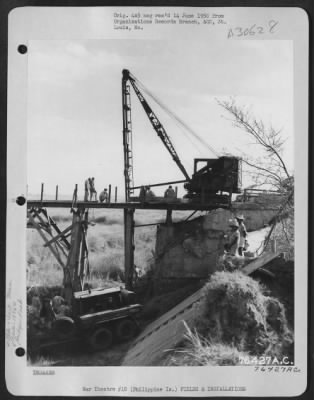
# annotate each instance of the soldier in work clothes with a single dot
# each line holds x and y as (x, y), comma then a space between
(149, 195)
(170, 193)
(87, 189)
(92, 190)
(142, 194)
(103, 197)
(243, 233)
(232, 244)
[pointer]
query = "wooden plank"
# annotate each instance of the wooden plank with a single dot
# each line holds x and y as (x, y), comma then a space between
(109, 194)
(42, 192)
(167, 337)
(54, 252)
(160, 184)
(61, 234)
(259, 262)
(166, 318)
(136, 205)
(48, 230)
(57, 229)
(109, 314)
(129, 248)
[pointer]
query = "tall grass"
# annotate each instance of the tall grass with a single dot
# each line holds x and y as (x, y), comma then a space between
(106, 247)
(199, 351)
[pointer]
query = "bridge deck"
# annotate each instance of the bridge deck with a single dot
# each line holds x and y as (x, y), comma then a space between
(130, 205)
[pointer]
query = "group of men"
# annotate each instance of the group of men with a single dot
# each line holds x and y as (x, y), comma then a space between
(146, 194)
(91, 193)
(237, 239)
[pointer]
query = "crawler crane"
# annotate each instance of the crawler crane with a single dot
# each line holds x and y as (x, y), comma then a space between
(213, 181)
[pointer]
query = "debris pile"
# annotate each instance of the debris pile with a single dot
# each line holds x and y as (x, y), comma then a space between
(235, 316)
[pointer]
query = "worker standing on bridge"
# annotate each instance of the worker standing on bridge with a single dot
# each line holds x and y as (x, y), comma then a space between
(149, 195)
(103, 197)
(233, 242)
(92, 189)
(170, 193)
(142, 194)
(243, 233)
(87, 189)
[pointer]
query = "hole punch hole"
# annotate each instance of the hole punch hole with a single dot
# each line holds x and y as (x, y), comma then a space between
(20, 200)
(20, 352)
(22, 49)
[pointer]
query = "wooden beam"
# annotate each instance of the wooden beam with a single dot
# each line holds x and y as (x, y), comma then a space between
(53, 224)
(134, 205)
(155, 223)
(42, 192)
(169, 217)
(109, 194)
(49, 229)
(129, 247)
(56, 228)
(160, 184)
(72, 280)
(53, 251)
(60, 235)
(259, 262)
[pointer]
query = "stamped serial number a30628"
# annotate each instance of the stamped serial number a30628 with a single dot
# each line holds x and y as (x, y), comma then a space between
(264, 360)
(253, 30)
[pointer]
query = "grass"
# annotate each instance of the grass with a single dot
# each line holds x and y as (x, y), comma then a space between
(105, 242)
(199, 351)
(236, 311)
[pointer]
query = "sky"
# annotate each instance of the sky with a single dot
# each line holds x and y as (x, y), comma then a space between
(74, 105)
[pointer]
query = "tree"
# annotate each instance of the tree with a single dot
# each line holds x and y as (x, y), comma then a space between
(270, 169)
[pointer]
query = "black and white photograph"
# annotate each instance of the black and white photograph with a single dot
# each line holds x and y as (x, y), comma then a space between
(164, 173)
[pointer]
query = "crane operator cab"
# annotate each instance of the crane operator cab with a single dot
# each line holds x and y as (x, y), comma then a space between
(215, 181)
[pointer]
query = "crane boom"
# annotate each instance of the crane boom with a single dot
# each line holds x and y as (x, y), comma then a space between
(158, 127)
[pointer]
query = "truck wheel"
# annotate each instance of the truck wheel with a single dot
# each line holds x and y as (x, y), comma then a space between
(126, 329)
(101, 339)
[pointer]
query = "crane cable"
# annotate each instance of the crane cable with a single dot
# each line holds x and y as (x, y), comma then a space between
(144, 89)
(174, 116)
